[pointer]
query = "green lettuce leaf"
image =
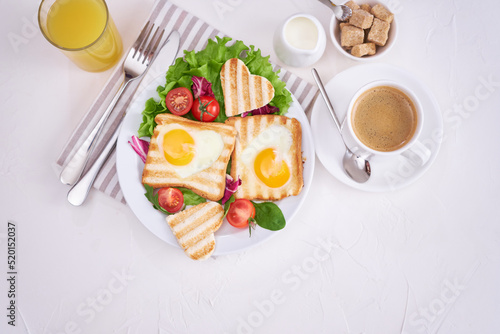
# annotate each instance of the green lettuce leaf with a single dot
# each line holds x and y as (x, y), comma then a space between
(148, 124)
(207, 63)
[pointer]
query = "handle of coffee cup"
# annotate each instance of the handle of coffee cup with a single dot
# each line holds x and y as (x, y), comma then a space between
(418, 154)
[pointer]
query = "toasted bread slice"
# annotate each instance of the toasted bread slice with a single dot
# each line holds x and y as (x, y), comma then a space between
(242, 90)
(279, 131)
(210, 181)
(194, 228)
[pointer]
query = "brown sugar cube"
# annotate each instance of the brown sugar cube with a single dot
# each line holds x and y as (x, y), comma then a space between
(343, 24)
(365, 49)
(361, 19)
(365, 40)
(382, 13)
(379, 32)
(351, 4)
(351, 35)
(366, 7)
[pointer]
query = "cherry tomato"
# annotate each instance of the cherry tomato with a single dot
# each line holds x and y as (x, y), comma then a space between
(240, 211)
(205, 108)
(179, 101)
(171, 199)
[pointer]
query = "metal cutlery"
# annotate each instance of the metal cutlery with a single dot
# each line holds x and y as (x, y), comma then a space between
(137, 61)
(354, 165)
(80, 190)
(341, 12)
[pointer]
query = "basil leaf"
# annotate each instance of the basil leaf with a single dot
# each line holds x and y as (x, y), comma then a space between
(190, 198)
(227, 204)
(153, 198)
(269, 216)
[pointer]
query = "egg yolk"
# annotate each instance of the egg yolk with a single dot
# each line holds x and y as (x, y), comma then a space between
(178, 146)
(270, 170)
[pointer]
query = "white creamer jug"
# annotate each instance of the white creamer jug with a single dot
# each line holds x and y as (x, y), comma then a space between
(300, 40)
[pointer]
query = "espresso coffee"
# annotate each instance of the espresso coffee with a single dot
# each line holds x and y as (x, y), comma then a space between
(384, 118)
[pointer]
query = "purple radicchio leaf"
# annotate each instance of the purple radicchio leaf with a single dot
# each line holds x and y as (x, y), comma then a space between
(140, 147)
(231, 187)
(267, 109)
(201, 87)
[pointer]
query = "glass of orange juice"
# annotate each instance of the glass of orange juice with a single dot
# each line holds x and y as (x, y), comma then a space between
(83, 30)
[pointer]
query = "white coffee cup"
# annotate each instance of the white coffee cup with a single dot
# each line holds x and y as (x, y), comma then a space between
(413, 149)
(300, 40)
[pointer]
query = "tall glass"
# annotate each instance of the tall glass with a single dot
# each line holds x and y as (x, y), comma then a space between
(83, 30)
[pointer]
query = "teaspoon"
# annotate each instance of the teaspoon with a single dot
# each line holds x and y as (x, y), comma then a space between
(355, 166)
(341, 12)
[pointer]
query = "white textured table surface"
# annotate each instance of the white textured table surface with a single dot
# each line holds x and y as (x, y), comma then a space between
(423, 259)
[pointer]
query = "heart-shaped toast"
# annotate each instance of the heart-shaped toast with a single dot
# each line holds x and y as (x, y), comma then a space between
(194, 228)
(243, 91)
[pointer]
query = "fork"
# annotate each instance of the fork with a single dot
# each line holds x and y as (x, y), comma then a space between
(137, 61)
(78, 193)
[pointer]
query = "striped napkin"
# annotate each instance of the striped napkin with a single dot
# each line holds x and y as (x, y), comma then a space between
(194, 35)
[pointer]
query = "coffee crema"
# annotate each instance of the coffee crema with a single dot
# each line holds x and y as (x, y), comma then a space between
(384, 118)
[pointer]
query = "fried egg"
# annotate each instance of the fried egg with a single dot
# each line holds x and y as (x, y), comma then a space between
(268, 155)
(188, 152)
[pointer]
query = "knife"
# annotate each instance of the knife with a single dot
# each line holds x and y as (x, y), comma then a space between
(78, 193)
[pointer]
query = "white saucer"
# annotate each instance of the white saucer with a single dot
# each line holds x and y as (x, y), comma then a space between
(388, 173)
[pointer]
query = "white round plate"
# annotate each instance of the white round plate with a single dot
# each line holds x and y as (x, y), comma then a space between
(387, 173)
(228, 239)
(381, 50)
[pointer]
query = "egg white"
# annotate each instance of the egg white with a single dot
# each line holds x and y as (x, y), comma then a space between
(277, 137)
(208, 147)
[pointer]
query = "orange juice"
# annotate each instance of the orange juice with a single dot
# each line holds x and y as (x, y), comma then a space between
(84, 31)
